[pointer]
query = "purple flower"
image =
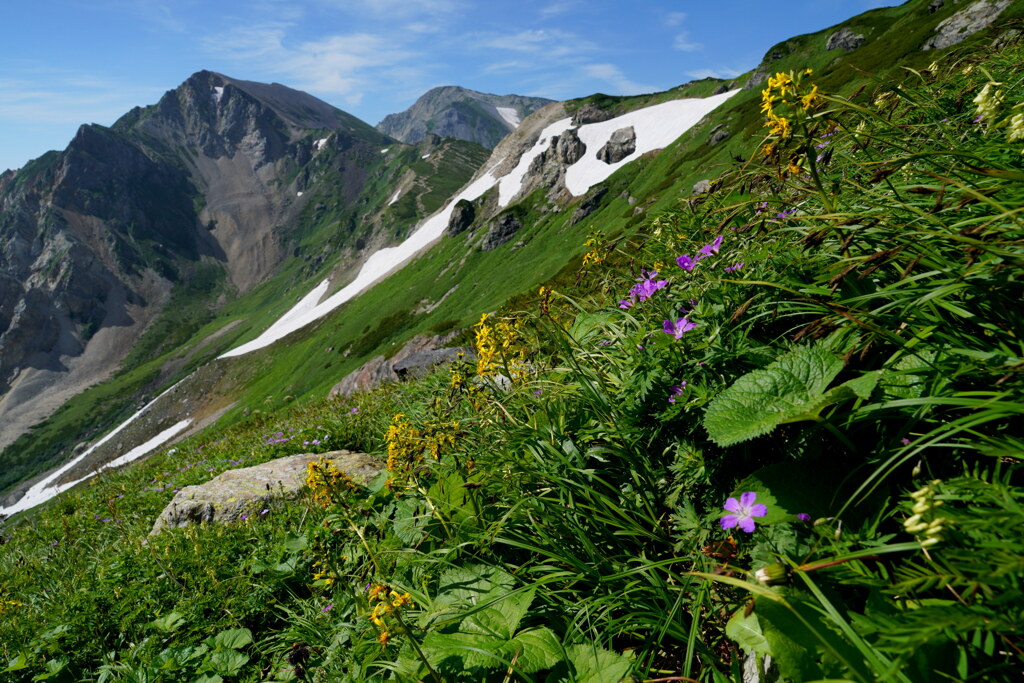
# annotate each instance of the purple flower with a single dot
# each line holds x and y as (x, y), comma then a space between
(264, 511)
(538, 392)
(786, 214)
(685, 262)
(744, 511)
(804, 517)
(675, 391)
(354, 411)
(328, 608)
(761, 208)
(625, 303)
(644, 289)
(734, 268)
(244, 517)
(678, 327)
(709, 249)
(905, 441)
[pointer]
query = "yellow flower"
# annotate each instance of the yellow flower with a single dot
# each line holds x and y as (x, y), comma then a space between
(384, 637)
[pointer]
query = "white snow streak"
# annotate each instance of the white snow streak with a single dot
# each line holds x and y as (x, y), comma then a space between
(318, 145)
(513, 182)
(218, 92)
(385, 150)
(510, 115)
(44, 490)
(425, 156)
(398, 193)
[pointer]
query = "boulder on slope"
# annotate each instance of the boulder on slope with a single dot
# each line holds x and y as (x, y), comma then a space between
(244, 492)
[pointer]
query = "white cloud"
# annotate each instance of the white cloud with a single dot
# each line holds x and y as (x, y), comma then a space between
(673, 19)
(612, 75)
(551, 43)
(558, 7)
(69, 99)
(340, 65)
(682, 42)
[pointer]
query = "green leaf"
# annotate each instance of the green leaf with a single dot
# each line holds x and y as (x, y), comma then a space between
(293, 543)
(231, 639)
(791, 389)
(409, 523)
(537, 648)
(597, 665)
(168, 623)
(207, 678)
(227, 662)
(746, 631)
(18, 663)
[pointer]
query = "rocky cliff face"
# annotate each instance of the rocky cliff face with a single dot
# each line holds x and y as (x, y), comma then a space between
(95, 238)
(451, 111)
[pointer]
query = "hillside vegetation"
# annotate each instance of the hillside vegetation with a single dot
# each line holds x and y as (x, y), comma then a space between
(783, 418)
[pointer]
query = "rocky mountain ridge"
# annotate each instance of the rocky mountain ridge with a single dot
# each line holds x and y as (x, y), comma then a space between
(451, 111)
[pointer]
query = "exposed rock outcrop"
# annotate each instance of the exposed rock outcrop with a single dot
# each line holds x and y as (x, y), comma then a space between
(590, 113)
(238, 494)
(717, 134)
(620, 145)
(501, 231)
(844, 39)
(964, 23)
(415, 357)
(569, 147)
(588, 204)
(463, 215)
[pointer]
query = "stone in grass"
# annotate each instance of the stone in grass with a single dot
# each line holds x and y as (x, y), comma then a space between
(246, 491)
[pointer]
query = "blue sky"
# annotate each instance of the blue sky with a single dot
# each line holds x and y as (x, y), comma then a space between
(68, 62)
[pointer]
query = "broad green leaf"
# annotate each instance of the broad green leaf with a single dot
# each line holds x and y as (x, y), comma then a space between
(594, 664)
(746, 631)
(533, 650)
(18, 663)
(791, 389)
(227, 662)
(409, 523)
(231, 639)
(207, 678)
(168, 623)
(293, 543)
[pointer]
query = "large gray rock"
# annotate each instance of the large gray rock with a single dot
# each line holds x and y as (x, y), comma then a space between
(232, 494)
(421, 362)
(964, 23)
(463, 215)
(380, 369)
(620, 145)
(501, 231)
(569, 147)
(590, 113)
(844, 39)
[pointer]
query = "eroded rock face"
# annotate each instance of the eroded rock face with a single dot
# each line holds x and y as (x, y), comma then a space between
(620, 145)
(844, 39)
(501, 231)
(232, 494)
(415, 357)
(463, 215)
(569, 147)
(967, 21)
(589, 113)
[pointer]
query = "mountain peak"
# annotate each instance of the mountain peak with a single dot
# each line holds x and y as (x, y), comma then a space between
(454, 111)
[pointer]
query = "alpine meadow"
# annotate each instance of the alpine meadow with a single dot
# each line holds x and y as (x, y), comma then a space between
(721, 383)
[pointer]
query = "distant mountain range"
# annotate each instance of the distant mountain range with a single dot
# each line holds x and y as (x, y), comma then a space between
(451, 111)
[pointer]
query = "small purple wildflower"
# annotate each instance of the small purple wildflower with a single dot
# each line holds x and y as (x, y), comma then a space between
(625, 303)
(761, 208)
(744, 510)
(354, 411)
(736, 267)
(675, 391)
(244, 517)
(328, 608)
(709, 249)
(264, 511)
(678, 328)
(905, 441)
(685, 262)
(804, 517)
(538, 392)
(785, 214)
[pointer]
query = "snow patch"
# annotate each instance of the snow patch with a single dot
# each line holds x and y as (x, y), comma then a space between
(218, 92)
(45, 489)
(319, 144)
(656, 127)
(425, 156)
(380, 264)
(398, 193)
(385, 150)
(298, 194)
(510, 115)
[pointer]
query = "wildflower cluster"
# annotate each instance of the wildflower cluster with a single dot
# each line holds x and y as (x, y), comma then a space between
(387, 605)
(644, 288)
(326, 483)
(800, 102)
(593, 255)
(500, 345)
(409, 446)
(990, 103)
(923, 523)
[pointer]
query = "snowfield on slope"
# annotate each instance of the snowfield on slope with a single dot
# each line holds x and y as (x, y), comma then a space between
(656, 127)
